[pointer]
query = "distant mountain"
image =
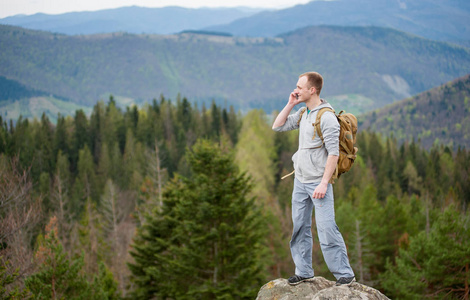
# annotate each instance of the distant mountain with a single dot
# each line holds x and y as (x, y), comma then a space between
(364, 67)
(166, 20)
(434, 19)
(440, 115)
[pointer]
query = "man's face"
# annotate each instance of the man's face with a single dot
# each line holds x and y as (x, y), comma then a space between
(303, 89)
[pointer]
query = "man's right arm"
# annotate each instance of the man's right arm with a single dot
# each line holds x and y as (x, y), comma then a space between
(282, 116)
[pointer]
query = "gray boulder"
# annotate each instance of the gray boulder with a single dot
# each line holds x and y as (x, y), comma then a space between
(317, 288)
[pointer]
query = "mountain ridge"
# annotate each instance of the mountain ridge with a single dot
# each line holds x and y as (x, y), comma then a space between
(132, 19)
(433, 19)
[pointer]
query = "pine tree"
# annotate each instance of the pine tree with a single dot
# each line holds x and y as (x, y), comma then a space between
(61, 137)
(256, 154)
(85, 185)
(435, 264)
(57, 277)
(151, 188)
(105, 167)
(371, 216)
(6, 280)
(4, 137)
(113, 211)
(215, 124)
(129, 159)
(144, 130)
(81, 137)
(91, 237)
(113, 125)
(185, 112)
(206, 240)
(44, 158)
(96, 128)
(104, 285)
(60, 199)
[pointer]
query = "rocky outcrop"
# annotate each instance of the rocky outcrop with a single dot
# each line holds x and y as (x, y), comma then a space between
(317, 288)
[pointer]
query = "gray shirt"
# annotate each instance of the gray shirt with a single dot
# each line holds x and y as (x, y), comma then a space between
(310, 159)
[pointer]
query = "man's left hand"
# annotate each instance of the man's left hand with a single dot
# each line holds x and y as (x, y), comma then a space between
(320, 191)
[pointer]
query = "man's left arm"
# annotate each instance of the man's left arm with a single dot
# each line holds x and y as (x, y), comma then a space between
(330, 130)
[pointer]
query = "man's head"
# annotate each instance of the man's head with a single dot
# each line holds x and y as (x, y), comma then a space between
(314, 80)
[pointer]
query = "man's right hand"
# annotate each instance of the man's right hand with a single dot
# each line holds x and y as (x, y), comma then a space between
(293, 99)
(282, 116)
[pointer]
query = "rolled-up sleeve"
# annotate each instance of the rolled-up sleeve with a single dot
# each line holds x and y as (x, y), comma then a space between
(291, 123)
(330, 130)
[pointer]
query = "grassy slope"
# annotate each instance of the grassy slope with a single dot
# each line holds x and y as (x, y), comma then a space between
(34, 107)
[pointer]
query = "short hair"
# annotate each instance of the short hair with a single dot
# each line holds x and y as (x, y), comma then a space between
(314, 79)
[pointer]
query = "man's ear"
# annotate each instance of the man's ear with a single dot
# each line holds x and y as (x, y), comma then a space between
(313, 90)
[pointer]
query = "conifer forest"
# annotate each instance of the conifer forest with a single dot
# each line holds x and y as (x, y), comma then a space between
(177, 200)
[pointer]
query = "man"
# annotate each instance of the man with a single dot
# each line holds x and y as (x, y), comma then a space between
(314, 164)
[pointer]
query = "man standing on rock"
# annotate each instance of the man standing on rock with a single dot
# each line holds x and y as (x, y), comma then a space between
(314, 164)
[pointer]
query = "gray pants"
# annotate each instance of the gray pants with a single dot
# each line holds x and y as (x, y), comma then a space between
(331, 240)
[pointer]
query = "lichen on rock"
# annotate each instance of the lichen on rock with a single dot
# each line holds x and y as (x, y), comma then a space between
(317, 288)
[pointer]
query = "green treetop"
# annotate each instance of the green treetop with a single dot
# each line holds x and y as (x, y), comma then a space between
(59, 277)
(206, 241)
(434, 264)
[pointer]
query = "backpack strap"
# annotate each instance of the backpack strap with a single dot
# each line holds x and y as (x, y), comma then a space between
(303, 109)
(320, 134)
(318, 121)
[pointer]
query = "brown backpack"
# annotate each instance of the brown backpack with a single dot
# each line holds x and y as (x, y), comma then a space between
(347, 139)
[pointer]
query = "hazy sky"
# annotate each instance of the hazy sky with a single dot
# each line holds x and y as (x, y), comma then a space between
(29, 7)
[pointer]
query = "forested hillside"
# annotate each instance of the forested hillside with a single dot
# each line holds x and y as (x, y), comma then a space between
(12, 90)
(120, 198)
(438, 116)
(370, 64)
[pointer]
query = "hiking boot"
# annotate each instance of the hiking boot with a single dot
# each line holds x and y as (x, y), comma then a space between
(296, 279)
(346, 281)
